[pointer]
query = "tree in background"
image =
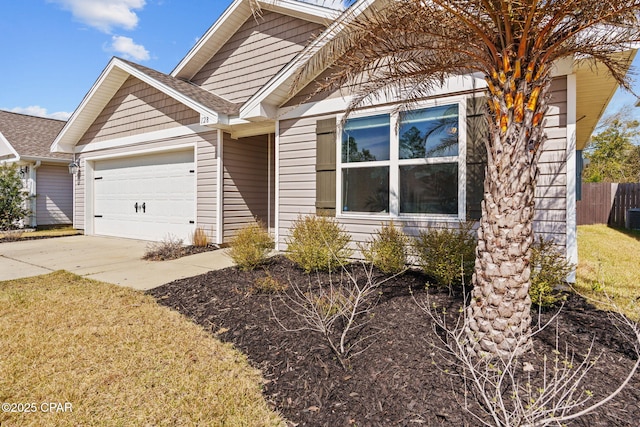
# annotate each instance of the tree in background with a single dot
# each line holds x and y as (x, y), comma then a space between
(12, 197)
(612, 154)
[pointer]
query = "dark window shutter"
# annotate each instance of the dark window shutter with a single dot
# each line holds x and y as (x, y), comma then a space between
(477, 134)
(326, 167)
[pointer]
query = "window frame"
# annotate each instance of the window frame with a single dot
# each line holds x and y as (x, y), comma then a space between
(395, 162)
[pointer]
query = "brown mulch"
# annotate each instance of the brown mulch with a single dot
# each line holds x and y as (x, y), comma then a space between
(399, 379)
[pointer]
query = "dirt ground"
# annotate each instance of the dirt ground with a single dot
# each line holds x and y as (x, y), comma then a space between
(398, 378)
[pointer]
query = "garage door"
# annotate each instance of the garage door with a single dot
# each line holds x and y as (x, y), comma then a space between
(149, 197)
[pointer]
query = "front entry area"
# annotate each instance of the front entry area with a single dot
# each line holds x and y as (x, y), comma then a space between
(150, 197)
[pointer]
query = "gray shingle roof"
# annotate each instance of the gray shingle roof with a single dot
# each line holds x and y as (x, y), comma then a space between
(31, 136)
(196, 93)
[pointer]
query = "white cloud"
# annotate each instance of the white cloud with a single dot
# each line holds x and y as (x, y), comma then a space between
(36, 110)
(104, 14)
(125, 46)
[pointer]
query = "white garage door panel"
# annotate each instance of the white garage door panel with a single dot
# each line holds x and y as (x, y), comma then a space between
(163, 183)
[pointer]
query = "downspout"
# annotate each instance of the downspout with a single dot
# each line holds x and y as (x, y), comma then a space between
(34, 193)
(269, 193)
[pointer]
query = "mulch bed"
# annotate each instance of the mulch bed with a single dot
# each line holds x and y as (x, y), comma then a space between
(400, 379)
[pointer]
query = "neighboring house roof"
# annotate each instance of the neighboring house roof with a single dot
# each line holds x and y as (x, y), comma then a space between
(233, 18)
(29, 137)
(114, 75)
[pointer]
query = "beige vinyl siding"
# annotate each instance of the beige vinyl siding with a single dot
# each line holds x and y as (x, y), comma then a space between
(550, 220)
(297, 173)
(246, 190)
(305, 94)
(254, 54)
(206, 173)
(54, 195)
(206, 181)
(297, 149)
(135, 109)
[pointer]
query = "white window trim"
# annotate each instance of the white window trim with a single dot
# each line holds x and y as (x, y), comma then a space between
(394, 163)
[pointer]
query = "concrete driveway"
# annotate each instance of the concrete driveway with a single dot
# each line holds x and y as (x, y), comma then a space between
(108, 259)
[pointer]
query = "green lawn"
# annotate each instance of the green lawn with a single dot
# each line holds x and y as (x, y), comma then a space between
(609, 267)
(115, 357)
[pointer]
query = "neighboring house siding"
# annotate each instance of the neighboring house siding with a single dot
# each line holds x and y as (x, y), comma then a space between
(297, 179)
(206, 172)
(254, 54)
(54, 195)
(246, 195)
(135, 109)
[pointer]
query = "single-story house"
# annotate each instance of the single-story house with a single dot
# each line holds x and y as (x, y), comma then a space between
(222, 140)
(26, 141)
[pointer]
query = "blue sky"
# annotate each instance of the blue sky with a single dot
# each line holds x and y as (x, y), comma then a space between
(54, 50)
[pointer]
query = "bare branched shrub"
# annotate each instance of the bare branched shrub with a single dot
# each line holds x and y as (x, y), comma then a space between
(442, 251)
(250, 246)
(199, 238)
(318, 243)
(387, 250)
(171, 247)
(549, 268)
(339, 310)
(507, 390)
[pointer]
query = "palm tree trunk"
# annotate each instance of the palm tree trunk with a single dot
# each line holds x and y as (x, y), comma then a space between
(499, 319)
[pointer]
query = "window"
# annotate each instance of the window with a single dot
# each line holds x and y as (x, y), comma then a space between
(365, 158)
(404, 163)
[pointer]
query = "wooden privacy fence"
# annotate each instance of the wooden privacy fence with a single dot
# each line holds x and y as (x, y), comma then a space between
(607, 203)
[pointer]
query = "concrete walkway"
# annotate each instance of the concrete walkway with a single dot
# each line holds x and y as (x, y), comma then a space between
(108, 259)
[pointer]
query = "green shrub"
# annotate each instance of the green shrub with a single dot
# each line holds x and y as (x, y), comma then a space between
(549, 268)
(387, 250)
(12, 197)
(447, 254)
(250, 247)
(318, 243)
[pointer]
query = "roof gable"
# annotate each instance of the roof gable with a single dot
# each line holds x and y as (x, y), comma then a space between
(233, 18)
(29, 137)
(254, 54)
(278, 90)
(216, 108)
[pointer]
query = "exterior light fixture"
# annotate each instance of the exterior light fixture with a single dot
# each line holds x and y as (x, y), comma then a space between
(74, 168)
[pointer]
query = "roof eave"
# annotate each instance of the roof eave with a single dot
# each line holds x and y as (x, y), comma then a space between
(595, 89)
(11, 150)
(46, 159)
